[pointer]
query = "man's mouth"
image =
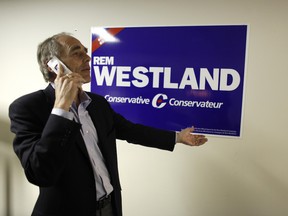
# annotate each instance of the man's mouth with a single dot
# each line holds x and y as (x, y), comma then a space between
(85, 68)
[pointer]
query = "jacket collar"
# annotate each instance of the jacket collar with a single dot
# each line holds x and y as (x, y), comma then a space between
(49, 92)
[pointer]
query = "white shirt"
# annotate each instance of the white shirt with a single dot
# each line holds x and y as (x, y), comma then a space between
(89, 134)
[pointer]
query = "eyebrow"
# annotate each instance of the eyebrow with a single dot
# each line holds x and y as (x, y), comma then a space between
(77, 47)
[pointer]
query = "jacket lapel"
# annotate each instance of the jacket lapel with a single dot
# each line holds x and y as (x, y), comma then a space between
(97, 121)
(50, 96)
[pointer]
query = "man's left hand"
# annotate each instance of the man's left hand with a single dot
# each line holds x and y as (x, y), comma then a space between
(187, 137)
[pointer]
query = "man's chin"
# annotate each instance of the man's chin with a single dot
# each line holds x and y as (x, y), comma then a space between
(87, 80)
(86, 76)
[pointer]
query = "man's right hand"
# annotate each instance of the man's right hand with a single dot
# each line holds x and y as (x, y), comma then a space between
(67, 88)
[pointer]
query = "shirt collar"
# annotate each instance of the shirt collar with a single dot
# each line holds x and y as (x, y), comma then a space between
(85, 99)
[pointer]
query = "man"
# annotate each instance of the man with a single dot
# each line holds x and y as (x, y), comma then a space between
(66, 138)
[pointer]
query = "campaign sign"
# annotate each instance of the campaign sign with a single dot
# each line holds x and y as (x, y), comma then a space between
(173, 77)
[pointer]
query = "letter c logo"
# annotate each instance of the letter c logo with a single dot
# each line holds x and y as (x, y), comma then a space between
(159, 101)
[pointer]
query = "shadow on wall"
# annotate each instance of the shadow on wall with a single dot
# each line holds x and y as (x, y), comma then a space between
(6, 153)
(6, 136)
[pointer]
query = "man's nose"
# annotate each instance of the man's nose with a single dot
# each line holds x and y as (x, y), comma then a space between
(87, 58)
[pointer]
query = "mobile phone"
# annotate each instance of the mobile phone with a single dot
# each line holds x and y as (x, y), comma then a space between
(54, 65)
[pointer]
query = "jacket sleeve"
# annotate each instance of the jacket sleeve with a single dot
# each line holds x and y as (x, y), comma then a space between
(42, 141)
(132, 132)
(143, 135)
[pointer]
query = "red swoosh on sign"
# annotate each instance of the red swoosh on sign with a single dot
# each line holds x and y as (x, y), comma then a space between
(96, 43)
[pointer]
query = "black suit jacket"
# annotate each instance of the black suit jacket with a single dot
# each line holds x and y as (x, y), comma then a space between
(54, 157)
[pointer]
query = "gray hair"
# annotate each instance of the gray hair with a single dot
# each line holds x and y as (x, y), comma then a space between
(46, 50)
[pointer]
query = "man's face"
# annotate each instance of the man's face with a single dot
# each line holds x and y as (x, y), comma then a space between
(75, 56)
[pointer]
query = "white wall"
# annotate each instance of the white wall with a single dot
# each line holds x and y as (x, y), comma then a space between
(246, 176)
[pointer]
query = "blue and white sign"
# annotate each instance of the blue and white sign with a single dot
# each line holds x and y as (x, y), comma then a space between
(173, 77)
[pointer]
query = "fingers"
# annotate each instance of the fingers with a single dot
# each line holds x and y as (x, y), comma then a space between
(74, 77)
(60, 70)
(67, 87)
(191, 129)
(70, 75)
(199, 140)
(187, 137)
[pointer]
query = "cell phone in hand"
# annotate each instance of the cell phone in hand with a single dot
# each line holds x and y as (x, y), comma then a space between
(54, 65)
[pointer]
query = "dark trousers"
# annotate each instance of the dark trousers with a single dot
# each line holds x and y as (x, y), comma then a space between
(105, 211)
